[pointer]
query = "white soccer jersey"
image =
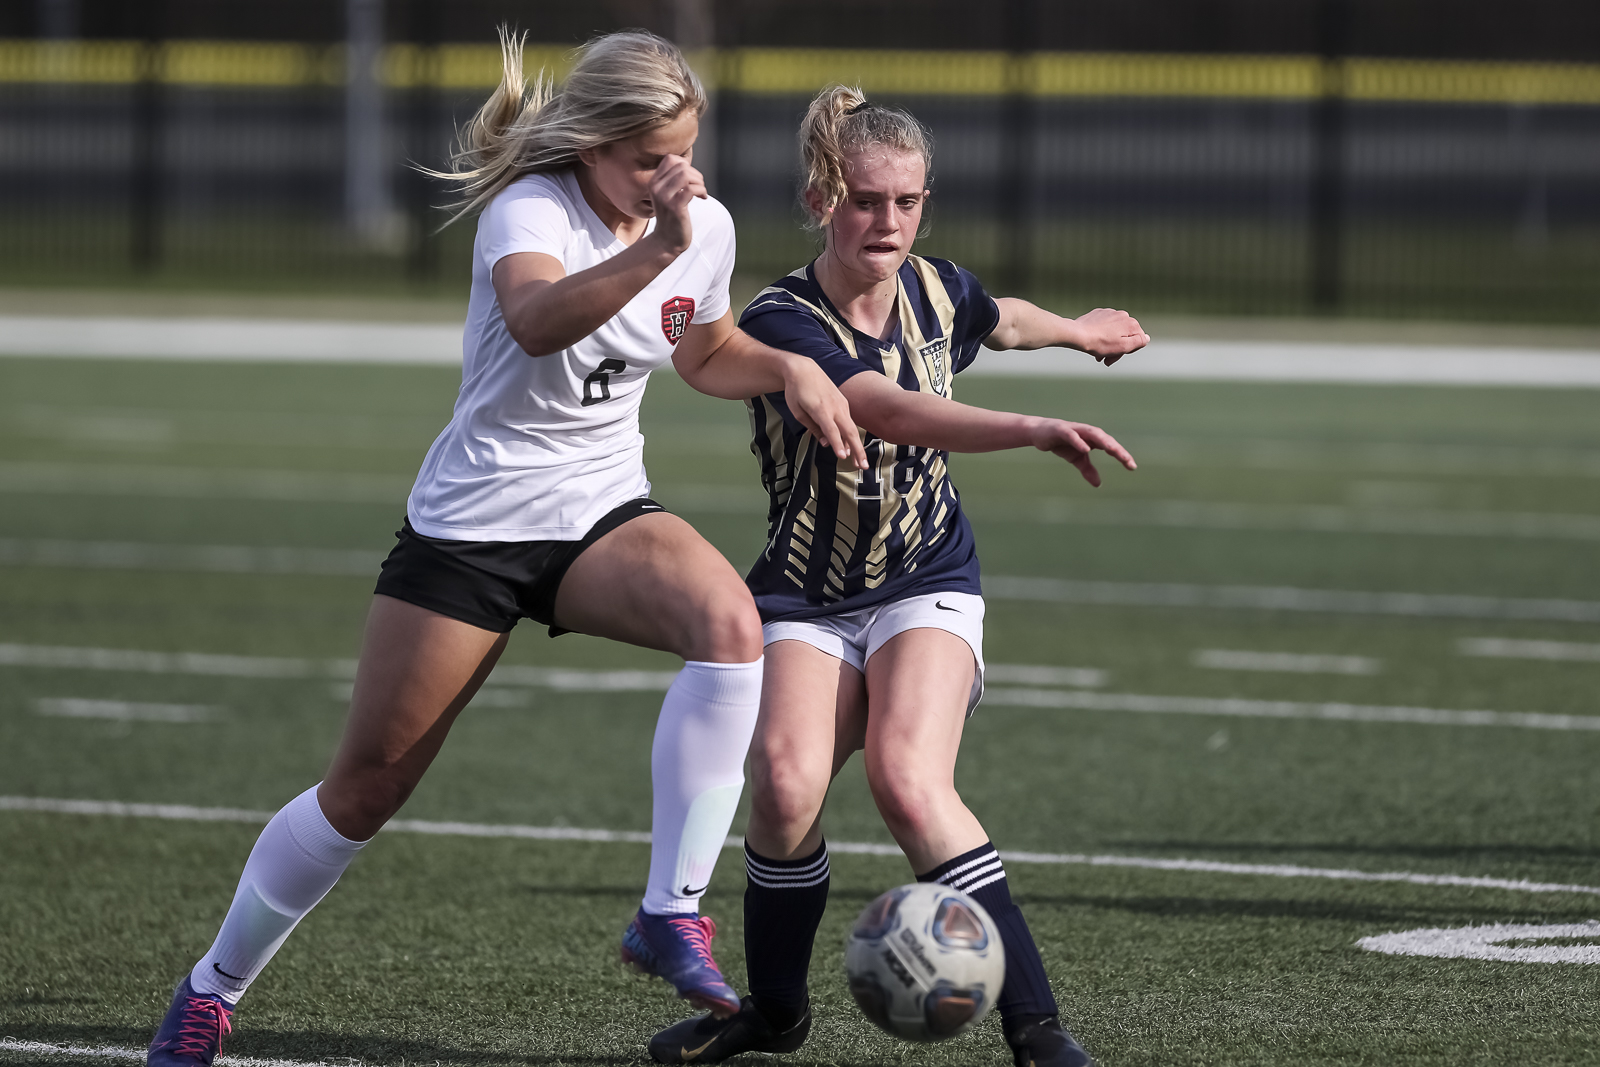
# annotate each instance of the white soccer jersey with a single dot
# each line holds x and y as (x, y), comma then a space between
(540, 448)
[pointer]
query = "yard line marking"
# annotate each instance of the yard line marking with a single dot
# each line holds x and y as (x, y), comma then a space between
(220, 559)
(1302, 518)
(203, 663)
(1507, 648)
(1208, 515)
(1378, 457)
(301, 341)
(247, 559)
(568, 833)
(1288, 598)
(111, 1052)
(1028, 674)
(1224, 659)
(1497, 942)
(122, 710)
(1313, 362)
(204, 483)
(1281, 709)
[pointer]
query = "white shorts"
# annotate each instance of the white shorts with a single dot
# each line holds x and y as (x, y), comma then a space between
(854, 636)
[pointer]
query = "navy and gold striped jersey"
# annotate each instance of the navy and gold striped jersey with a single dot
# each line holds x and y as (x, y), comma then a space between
(839, 539)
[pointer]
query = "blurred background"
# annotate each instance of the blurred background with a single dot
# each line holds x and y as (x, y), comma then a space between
(1367, 158)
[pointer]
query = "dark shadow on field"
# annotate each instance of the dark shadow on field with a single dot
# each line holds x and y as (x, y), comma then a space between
(311, 1046)
(1496, 851)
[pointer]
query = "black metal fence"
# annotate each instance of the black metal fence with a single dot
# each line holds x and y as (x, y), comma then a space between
(1265, 185)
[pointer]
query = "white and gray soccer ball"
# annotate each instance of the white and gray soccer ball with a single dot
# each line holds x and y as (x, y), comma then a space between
(925, 962)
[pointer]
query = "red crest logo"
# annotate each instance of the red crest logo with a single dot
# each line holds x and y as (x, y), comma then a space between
(675, 316)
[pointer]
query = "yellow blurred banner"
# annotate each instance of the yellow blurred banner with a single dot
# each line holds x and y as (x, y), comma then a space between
(801, 71)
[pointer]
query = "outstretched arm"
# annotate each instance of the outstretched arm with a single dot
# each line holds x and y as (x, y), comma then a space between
(908, 418)
(1104, 333)
(721, 360)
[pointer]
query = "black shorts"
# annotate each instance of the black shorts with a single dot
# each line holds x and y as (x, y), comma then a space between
(491, 584)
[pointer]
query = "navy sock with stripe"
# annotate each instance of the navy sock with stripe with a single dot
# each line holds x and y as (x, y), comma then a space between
(1026, 995)
(783, 905)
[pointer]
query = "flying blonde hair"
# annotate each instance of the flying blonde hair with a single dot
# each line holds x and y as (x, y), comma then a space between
(622, 85)
(840, 121)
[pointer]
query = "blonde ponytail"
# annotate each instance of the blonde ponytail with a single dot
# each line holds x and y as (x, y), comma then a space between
(622, 85)
(840, 121)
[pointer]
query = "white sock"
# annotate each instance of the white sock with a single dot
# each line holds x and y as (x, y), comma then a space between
(296, 860)
(696, 775)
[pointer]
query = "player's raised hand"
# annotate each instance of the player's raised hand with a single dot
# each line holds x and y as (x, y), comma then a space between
(674, 185)
(821, 408)
(1109, 334)
(1073, 441)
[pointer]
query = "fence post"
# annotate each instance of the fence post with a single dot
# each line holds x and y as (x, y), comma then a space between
(1330, 133)
(1019, 131)
(368, 199)
(423, 260)
(144, 200)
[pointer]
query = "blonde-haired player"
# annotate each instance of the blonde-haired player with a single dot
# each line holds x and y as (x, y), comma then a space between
(869, 586)
(599, 258)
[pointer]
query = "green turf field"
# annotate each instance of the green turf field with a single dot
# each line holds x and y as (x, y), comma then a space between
(457, 950)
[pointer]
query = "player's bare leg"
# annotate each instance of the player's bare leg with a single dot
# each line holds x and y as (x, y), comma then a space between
(919, 684)
(657, 583)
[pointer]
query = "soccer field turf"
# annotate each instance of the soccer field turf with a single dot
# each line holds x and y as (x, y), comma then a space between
(1221, 707)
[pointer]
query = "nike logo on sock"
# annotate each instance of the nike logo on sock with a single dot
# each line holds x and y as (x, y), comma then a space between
(943, 607)
(687, 892)
(225, 974)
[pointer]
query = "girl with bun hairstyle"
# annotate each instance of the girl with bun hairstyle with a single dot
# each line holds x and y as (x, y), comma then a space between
(599, 258)
(869, 588)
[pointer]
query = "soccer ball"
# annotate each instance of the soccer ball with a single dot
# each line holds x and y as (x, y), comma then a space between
(925, 962)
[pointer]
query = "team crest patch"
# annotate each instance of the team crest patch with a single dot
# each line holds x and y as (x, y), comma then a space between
(933, 357)
(675, 316)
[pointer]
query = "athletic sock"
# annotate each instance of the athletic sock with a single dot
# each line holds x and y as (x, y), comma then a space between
(297, 859)
(696, 775)
(980, 874)
(783, 905)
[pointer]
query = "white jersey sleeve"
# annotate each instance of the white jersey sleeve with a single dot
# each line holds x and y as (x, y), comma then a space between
(718, 248)
(524, 218)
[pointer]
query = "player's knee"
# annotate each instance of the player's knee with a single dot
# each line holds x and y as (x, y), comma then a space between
(909, 806)
(358, 803)
(729, 630)
(786, 798)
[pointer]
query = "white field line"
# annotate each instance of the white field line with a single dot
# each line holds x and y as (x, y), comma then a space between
(1225, 659)
(1509, 648)
(1298, 518)
(1501, 942)
(1207, 515)
(203, 483)
(566, 833)
(427, 343)
(122, 710)
(111, 1052)
(1027, 674)
(1281, 361)
(246, 559)
(1373, 457)
(229, 339)
(1281, 709)
(584, 681)
(216, 559)
(1288, 598)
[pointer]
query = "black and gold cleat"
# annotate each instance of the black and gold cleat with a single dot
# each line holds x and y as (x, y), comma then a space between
(708, 1039)
(1046, 1043)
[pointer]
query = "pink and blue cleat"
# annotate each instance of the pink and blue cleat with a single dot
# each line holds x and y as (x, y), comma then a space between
(192, 1032)
(677, 948)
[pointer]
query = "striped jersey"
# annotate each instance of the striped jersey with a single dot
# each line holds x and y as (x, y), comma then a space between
(839, 539)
